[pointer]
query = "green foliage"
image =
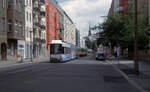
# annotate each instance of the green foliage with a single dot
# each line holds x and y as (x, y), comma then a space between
(90, 44)
(119, 30)
(112, 31)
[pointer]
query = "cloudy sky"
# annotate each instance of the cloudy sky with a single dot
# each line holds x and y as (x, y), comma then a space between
(85, 12)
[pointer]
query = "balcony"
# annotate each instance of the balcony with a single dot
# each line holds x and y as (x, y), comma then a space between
(15, 35)
(36, 23)
(42, 11)
(42, 26)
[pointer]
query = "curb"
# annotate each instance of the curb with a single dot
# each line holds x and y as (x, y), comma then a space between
(128, 79)
(21, 63)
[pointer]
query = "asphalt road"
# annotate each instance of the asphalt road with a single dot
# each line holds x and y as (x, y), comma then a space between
(82, 75)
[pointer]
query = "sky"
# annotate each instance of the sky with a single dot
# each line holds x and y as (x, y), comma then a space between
(85, 12)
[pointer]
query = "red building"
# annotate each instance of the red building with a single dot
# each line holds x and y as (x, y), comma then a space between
(124, 5)
(51, 23)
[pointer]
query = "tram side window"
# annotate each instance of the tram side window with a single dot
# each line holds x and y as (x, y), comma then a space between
(67, 50)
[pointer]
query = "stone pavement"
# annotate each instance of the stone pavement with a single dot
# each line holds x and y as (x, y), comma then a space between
(127, 66)
(25, 61)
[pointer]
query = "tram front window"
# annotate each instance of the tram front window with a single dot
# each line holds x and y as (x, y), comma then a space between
(56, 49)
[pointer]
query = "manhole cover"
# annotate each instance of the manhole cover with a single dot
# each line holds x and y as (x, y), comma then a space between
(114, 79)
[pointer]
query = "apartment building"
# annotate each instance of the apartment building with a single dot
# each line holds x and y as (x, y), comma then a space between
(38, 28)
(119, 6)
(51, 23)
(16, 32)
(28, 29)
(111, 10)
(143, 11)
(43, 30)
(69, 30)
(3, 30)
(77, 38)
(60, 21)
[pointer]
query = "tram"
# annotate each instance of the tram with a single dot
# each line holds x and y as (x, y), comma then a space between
(61, 51)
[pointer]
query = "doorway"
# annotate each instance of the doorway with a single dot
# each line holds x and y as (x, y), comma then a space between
(3, 51)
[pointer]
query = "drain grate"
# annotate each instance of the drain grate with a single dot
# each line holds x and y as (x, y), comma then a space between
(114, 79)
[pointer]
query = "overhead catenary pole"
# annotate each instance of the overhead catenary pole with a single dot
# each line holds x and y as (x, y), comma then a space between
(31, 51)
(136, 63)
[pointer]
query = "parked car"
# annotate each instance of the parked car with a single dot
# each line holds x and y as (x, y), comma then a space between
(100, 56)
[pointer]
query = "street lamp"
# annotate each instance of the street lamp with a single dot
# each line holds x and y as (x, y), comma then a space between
(31, 45)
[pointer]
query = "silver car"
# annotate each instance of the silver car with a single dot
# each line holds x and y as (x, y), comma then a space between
(100, 56)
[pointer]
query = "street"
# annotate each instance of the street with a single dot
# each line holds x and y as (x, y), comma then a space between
(82, 75)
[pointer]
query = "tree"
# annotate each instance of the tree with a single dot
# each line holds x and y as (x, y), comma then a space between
(112, 31)
(90, 44)
(119, 30)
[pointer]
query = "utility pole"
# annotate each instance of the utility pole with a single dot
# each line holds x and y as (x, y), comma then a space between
(136, 63)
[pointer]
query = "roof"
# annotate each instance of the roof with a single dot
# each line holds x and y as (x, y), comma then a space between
(56, 42)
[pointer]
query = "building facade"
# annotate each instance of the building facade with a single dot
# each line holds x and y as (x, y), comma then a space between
(143, 11)
(16, 32)
(28, 29)
(77, 38)
(3, 30)
(60, 21)
(38, 28)
(69, 32)
(43, 32)
(120, 6)
(82, 40)
(51, 24)
(123, 5)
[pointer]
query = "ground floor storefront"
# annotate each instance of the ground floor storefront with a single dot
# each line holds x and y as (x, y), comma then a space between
(39, 50)
(3, 50)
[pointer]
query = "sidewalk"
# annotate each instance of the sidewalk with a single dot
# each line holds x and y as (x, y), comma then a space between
(25, 61)
(143, 79)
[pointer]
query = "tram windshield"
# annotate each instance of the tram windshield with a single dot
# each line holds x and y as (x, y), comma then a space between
(56, 49)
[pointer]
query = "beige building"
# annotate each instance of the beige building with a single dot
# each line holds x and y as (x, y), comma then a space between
(3, 29)
(39, 28)
(28, 29)
(69, 33)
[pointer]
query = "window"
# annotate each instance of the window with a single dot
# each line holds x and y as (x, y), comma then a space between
(9, 25)
(3, 2)
(27, 16)
(16, 25)
(26, 2)
(15, 5)
(30, 18)
(3, 24)
(56, 49)
(30, 2)
(27, 35)
(19, 6)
